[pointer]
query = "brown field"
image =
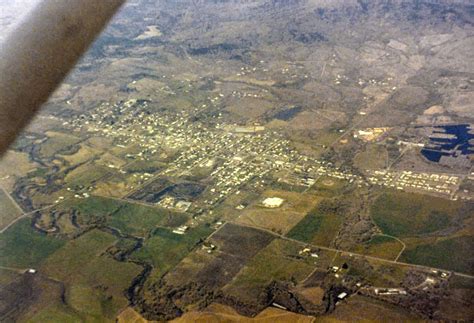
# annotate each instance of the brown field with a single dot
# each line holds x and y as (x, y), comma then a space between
(57, 141)
(276, 262)
(235, 245)
(250, 107)
(222, 313)
(12, 165)
(372, 157)
(84, 154)
(381, 247)
(314, 120)
(282, 219)
(108, 159)
(359, 308)
(116, 186)
(9, 211)
(129, 315)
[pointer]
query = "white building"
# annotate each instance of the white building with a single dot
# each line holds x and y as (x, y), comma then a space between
(272, 202)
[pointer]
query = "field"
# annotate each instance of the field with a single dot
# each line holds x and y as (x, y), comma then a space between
(55, 313)
(216, 313)
(95, 283)
(116, 185)
(328, 186)
(84, 154)
(164, 249)
(372, 271)
(14, 164)
(26, 295)
(281, 219)
(201, 274)
(135, 219)
(8, 210)
(85, 175)
(76, 253)
(92, 209)
(373, 157)
(56, 142)
(448, 253)
(380, 246)
(317, 227)
(22, 246)
(404, 214)
(276, 262)
(360, 308)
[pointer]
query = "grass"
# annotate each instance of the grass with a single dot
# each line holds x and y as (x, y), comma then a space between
(451, 254)
(271, 263)
(138, 219)
(55, 313)
(86, 175)
(93, 208)
(380, 246)
(329, 186)
(316, 227)
(165, 248)
(407, 214)
(76, 253)
(361, 308)
(373, 157)
(8, 210)
(57, 141)
(7, 276)
(22, 246)
(95, 282)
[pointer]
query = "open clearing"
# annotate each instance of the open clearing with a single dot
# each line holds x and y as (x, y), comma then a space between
(8, 210)
(95, 283)
(448, 253)
(277, 262)
(317, 227)
(21, 246)
(404, 214)
(281, 219)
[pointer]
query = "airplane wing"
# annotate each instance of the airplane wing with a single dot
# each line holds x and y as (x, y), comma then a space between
(40, 52)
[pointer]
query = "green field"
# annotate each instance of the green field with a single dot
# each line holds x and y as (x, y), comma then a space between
(56, 142)
(22, 246)
(317, 227)
(55, 313)
(86, 175)
(329, 186)
(165, 248)
(92, 209)
(138, 219)
(276, 262)
(8, 210)
(406, 214)
(76, 253)
(95, 282)
(380, 246)
(452, 254)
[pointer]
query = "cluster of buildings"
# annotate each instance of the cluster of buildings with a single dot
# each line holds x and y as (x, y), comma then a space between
(232, 157)
(408, 180)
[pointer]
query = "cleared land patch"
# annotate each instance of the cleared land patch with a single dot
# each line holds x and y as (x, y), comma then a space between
(21, 246)
(318, 227)
(403, 214)
(451, 253)
(280, 219)
(380, 246)
(95, 283)
(8, 210)
(277, 262)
